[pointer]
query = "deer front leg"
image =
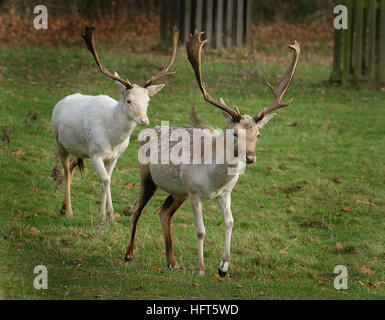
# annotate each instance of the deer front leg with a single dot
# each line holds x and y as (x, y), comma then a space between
(98, 164)
(196, 205)
(224, 202)
(110, 168)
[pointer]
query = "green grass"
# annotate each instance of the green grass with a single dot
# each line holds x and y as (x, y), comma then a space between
(282, 247)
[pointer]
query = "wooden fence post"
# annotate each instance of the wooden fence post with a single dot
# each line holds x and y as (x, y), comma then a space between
(209, 21)
(187, 19)
(239, 39)
(358, 41)
(382, 41)
(229, 24)
(219, 24)
(372, 39)
(188, 15)
(199, 15)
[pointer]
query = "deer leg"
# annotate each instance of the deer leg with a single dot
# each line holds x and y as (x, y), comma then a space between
(100, 168)
(224, 202)
(147, 189)
(110, 167)
(166, 213)
(65, 161)
(196, 205)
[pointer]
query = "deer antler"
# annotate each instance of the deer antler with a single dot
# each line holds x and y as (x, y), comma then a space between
(283, 85)
(165, 72)
(88, 37)
(194, 49)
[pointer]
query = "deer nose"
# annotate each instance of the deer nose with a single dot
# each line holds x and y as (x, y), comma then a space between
(144, 122)
(251, 158)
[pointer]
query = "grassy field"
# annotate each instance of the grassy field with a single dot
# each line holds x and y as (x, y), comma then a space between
(315, 198)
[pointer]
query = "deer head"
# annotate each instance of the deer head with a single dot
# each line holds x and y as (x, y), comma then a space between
(134, 98)
(242, 123)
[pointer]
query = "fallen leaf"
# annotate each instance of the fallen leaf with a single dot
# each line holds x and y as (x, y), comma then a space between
(129, 185)
(196, 284)
(239, 286)
(117, 215)
(34, 230)
(81, 260)
(364, 201)
(157, 268)
(347, 208)
(311, 239)
(320, 282)
(18, 153)
(183, 225)
(82, 234)
(366, 270)
(19, 245)
(339, 246)
(116, 235)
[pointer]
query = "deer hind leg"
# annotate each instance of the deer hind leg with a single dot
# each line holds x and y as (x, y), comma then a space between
(166, 213)
(224, 203)
(196, 205)
(147, 189)
(68, 171)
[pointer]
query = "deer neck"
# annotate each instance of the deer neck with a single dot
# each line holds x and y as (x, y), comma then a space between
(120, 125)
(226, 168)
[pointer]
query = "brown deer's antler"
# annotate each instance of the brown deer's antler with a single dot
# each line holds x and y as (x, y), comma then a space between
(88, 37)
(283, 85)
(165, 72)
(194, 49)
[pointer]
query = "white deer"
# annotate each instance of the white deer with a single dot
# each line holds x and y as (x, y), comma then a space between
(99, 127)
(205, 181)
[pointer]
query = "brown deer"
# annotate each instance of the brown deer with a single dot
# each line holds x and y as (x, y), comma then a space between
(206, 181)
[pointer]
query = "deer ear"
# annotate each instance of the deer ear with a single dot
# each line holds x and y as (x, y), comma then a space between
(265, 120)
(120, 85)
(153, 90)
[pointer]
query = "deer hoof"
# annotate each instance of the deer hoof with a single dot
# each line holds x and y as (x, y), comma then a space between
(201, 273)
(222, 273)
(173, 267)
(127, 258)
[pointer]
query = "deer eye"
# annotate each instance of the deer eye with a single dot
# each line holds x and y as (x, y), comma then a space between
(258, 135)
(129, 101)
(235, 135)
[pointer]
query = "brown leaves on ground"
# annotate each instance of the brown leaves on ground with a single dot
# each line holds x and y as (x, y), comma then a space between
(129, 185)
(364, 201)
(82, 234)
(339, 246)
(34, 230)
(140, 30)
(18, 153)
(367, 270)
